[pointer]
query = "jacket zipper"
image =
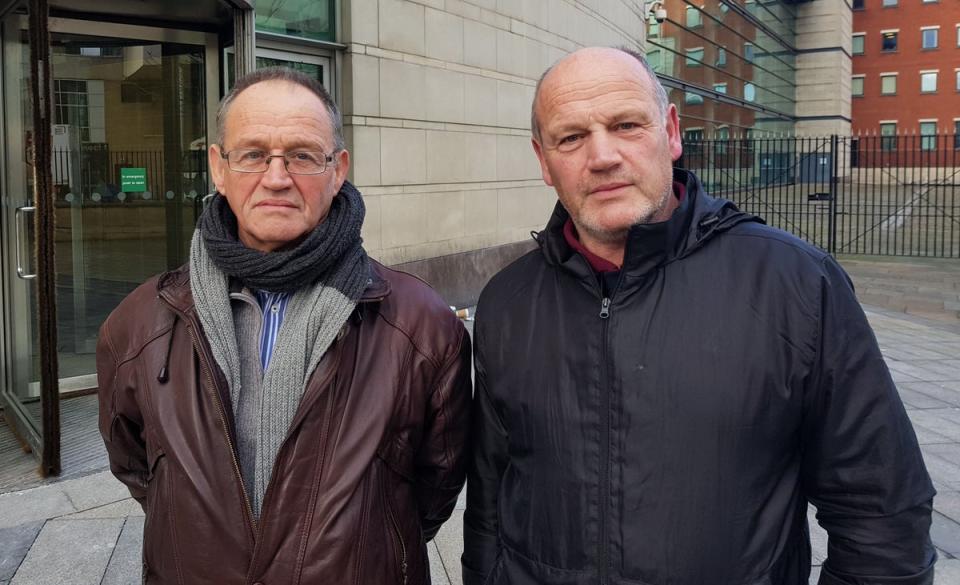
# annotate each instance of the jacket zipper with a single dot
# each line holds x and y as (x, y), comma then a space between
(396, 529)
(605, 450)
(221, 412)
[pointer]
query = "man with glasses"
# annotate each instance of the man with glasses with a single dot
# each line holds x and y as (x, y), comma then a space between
(284, 408)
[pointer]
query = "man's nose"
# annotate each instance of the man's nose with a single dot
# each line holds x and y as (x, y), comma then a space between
(276, 175)
(603, 152)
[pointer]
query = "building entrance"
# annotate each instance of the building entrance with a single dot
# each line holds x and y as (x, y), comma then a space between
(131, 109)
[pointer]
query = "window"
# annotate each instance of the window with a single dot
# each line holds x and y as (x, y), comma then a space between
(958, 35)
(858, 4)
(856, 86)
(749, 92)
(694, 57)
(888, 83)
(693, 134)
(928, 135)
(888, 136)
(957, 72)
(722, 135)
(858, 42)
(654, 29)
(654, 59)
(692, 99)
(929, 38)
(956, 134)
(928, 81)
(694, 17)
(720, 87)
(721, 57)
(748, 52)
(888, 40)
(310, 19)
(888, 3)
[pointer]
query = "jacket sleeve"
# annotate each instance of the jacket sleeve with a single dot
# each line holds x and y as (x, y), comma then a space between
(120, 420)
(488, 463)
(862, 466)
(440, 465)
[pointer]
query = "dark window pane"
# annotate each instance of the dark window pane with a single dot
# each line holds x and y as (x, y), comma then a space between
(312, 19)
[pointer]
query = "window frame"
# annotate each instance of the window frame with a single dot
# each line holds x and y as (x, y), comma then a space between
(888, 75)
(692, 98)
(862, 36)
(927, 145)
(925, 75)
(862, 79)
(690, 61)
(699, 18)
(923, 37)
(888, 142)
(884, 35)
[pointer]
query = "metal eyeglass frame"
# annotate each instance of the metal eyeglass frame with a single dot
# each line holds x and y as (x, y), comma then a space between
(327, 159)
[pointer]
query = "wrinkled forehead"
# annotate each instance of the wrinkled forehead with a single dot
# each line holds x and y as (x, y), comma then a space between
(278, 102)
(581, 78)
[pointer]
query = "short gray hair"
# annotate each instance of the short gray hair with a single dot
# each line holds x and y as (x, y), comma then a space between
(290, 76)
(663, 102)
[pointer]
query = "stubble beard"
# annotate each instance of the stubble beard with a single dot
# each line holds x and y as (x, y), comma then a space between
(645, 213)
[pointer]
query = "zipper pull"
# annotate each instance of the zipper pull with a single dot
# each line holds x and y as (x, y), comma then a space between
(605, 308)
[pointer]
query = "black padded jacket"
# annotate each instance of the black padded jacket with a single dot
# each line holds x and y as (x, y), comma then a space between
(673, 432)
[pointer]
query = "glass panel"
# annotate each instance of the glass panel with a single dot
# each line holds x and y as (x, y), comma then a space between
(314, 70)
(130, 171)
(928, 140)
(888, 84)
(930, 38)
(312, 19)
(928, 82)
(856, 85)
(20, 385)
(888, 140)
(889, 41)
(858, 44)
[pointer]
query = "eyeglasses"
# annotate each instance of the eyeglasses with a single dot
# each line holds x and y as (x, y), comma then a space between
(298, 162)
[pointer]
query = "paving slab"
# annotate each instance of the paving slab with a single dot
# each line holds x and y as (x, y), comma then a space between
(126, 563)
(95, 490)
(438, 575)
(449, 543)
(15, 541)
(121, 509)
(945, 534)
(70, 552)
(947, 572)
(31, 505)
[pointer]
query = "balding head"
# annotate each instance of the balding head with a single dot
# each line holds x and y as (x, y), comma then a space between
(588, 59)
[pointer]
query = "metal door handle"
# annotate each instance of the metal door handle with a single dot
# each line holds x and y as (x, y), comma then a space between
(17, 214)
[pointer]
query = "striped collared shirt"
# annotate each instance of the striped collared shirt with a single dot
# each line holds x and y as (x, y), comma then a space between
(274, 306)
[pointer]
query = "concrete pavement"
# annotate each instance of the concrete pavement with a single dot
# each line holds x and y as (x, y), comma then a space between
(87, 531)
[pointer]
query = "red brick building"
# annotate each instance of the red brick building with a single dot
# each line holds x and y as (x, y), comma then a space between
(906, 67)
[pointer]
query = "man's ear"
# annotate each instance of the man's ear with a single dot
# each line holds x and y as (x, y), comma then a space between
(544, 171)
(673, 132)
(218, 166)
(341, 160)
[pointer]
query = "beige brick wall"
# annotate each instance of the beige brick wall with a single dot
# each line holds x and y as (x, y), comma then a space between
(437, 100)
(823, 73)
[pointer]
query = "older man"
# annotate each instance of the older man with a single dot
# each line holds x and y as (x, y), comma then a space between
(285, 409)
(664, 385)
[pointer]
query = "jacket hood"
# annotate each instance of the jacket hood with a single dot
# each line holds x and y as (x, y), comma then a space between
(698, 219)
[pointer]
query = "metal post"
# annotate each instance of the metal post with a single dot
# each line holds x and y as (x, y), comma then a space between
(832, 217)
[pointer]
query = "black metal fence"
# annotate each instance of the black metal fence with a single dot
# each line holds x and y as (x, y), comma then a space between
(879, 195)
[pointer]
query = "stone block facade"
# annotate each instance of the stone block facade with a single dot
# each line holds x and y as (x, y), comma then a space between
(436, 102)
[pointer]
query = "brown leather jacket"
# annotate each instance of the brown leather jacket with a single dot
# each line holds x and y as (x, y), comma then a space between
(370, 468)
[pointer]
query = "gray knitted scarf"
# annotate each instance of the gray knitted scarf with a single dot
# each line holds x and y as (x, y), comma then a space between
(328, 287)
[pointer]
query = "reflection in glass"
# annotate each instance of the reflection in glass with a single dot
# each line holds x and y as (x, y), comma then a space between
(312, 19)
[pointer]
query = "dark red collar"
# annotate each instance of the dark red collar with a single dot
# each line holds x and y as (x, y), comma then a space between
(601, 265)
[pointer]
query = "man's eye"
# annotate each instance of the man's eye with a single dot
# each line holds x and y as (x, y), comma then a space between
(252, 155)
(303, 156)
(626, 126)
(570, 139)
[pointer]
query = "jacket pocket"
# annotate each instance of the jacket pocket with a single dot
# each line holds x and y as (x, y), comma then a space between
(393, 526)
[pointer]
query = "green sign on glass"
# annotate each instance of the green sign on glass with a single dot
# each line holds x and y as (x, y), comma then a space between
(133, 179)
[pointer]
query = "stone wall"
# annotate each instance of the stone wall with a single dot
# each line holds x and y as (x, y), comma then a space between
(436, 99)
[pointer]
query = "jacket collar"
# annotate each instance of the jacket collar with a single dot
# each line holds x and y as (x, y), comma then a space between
(696, 220)
(174, 286)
